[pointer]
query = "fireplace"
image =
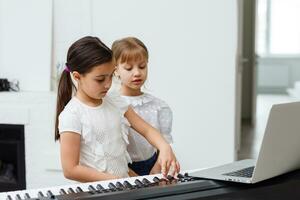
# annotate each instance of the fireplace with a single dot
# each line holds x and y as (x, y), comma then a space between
(12, 157)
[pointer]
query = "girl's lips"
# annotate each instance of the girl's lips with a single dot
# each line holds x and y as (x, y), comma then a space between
(137, 81)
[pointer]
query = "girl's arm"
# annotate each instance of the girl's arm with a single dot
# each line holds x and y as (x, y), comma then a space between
(166, 156)
(70, 151)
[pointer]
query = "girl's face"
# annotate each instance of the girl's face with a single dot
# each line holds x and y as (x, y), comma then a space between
(132, 75)
(94, 85)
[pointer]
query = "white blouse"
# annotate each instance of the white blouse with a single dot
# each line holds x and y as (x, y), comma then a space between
(103, 131)
(157, 113)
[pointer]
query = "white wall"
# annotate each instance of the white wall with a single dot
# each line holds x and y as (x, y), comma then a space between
(71, 20)
(26, 42)
(192, 48)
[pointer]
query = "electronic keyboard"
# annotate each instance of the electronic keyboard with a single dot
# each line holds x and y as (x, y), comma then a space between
(140, 187)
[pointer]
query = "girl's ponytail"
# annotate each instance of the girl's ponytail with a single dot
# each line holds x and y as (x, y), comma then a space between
(64, 95)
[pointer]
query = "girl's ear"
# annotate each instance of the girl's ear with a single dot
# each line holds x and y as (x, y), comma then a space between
(76, 75)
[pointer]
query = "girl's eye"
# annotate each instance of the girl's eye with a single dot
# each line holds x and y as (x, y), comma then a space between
(128, 69)
(142, 66)
(100, 80)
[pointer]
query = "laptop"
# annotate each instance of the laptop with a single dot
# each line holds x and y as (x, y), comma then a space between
(279, 152)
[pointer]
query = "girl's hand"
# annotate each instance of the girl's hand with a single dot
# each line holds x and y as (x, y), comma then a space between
(167, 161)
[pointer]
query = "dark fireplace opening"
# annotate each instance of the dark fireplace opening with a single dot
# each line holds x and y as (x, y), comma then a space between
(12, 157)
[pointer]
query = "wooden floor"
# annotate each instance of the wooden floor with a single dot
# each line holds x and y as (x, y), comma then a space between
(252, 135)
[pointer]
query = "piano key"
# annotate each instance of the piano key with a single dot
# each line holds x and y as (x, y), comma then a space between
(9, 195)
(3, 195)
(91, 188)
(180, 176)
(62, 191)
(156, 179)
(40, 194)
(112, 186)
(26, 196)
(128, 185)
(18, 197)
(9, 198)
(70, 190)
(50, 194)
(146, 181)
(170, 178)
(120, 185)
(100, 187)
(78, 189)
(139, 183)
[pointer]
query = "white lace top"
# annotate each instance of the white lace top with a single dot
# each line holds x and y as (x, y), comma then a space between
(103, 131)
(157, 113)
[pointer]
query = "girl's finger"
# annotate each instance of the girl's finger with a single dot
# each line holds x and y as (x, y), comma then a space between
(178, 166)
(173, 169)
(163, 169)
(167, 168)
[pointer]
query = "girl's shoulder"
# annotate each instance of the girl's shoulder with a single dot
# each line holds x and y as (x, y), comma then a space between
(138, 100)
(145, 99)
(72, 106)
(115, 100)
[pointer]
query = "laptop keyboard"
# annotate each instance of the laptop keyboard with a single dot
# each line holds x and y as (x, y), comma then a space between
(246, 172)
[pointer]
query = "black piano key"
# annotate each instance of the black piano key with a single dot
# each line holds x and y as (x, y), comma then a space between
(170, 178)
(78, 189)
(9, 197)
(156, 179)
(100, 187)
(70, 190)
(62, 191)
(127, 185)
(91, 188)
(146, 181)
(120, 185)
(50, 194)
(180, 176)
(139, 183)
(40, 194)
(112, 186)
(18, 197)
(26, 196)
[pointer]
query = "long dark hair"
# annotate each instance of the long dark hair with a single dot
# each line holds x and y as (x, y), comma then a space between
(83, 55)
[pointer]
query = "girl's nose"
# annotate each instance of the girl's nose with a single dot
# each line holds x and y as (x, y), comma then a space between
(108, 83)
(137, 72)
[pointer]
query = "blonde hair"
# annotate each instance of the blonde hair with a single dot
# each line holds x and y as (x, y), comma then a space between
(129, 49)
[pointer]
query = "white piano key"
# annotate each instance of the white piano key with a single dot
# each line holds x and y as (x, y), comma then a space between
(3, 195)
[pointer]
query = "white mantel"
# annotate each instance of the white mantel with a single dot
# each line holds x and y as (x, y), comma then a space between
(36, 111)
